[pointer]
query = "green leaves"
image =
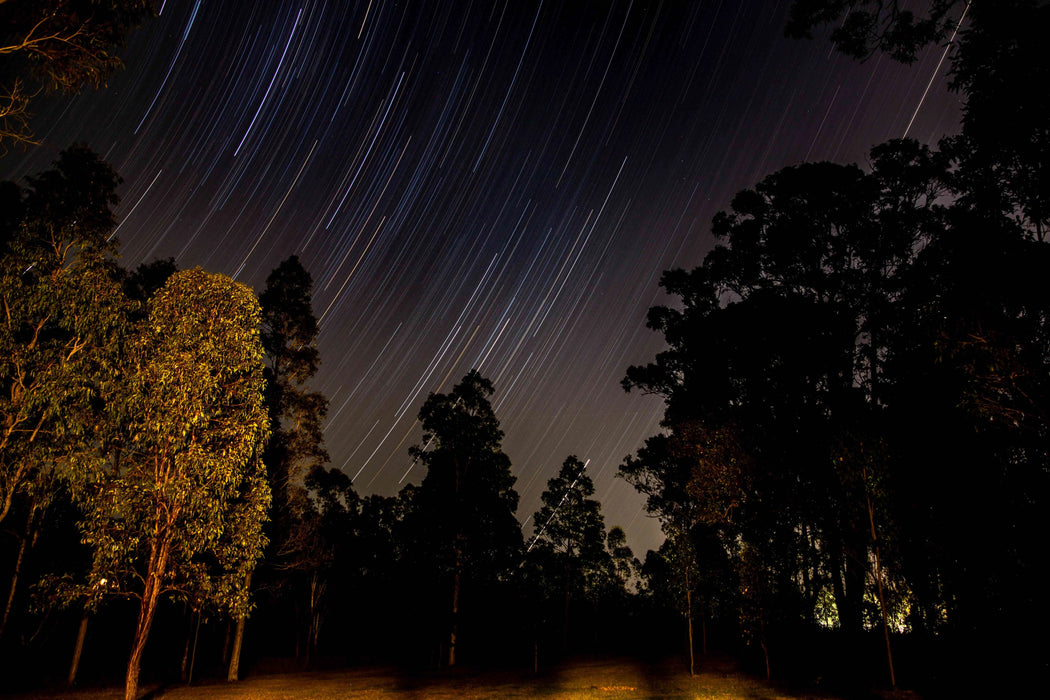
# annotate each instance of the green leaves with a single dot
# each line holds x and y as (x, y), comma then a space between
(190, 479)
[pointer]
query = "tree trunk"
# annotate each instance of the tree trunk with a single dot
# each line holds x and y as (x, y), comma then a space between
(689, 623)
(184, 664)
(18, 569)
(235, 655)
(456, 574)
(765, 649)
(233, 673)
(882, 599)
(193, 653)
(14, 584)
(74, 665)
(703, 629)
(150, 594)
(565, 606)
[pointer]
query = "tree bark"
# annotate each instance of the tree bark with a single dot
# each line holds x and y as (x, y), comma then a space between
(147, 609)
(235, 655)
(233, 673)
(74, 665)
(454, 623)
(689, 623)
(193, 652)
(565, 606)
(18, 568)
(882, 599)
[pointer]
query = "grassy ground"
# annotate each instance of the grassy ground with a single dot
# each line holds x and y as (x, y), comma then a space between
(608, 679)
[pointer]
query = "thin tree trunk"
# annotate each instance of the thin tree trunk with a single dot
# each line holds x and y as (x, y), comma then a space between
(882, 599)
(235, 655)
(74, 665)
(233, 672)
(193, 653)
(765, 649)
(455, 608)
(565, 606)
(703, 629)
(14, 585)
(184, 664)
(689, 623)
(18, 569)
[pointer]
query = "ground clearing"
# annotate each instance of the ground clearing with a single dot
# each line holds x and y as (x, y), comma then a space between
(605, 679)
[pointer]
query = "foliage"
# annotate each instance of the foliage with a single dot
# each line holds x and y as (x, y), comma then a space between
(461, 529)
(868, 26)
(180, 507)
(62, 315)
(50, 45)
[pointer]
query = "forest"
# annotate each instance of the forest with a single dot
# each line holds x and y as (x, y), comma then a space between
(852, 473)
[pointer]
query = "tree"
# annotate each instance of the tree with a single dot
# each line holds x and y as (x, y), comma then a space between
(865, 27)
(296, 445)
(570, 525)
(780, 346)
(319, 546)
(62, 312)
(51, 45)
(289, 335)
(62, 323)
(463, 519)
(996, 61)
(180, 508)
(657, 474)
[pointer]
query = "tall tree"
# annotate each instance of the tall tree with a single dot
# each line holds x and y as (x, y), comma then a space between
(63, 314)
(659, 475)
(463, 515)
(571, 526)
(50, 45)
(181, 508)
(289, 335)
(296, 445)
(780, 344)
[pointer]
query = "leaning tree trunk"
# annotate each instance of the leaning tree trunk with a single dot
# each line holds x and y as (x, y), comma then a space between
(147, 609)
(235, 655)
(78, 648)
(27, 536)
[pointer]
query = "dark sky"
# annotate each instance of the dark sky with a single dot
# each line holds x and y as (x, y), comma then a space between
(473, 183)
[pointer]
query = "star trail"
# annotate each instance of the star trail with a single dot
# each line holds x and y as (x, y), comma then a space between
(490, 184)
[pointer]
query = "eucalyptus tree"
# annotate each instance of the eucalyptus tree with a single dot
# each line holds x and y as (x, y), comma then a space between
(180, 509)
(62, 317)
(58, 45)
(570, 526)
(779, 349)
(462, 521)
(295, 447)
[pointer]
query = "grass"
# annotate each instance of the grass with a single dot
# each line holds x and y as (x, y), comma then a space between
(605, 678)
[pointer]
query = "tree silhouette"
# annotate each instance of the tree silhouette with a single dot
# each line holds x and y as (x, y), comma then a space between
(571, 527)
(463, 519)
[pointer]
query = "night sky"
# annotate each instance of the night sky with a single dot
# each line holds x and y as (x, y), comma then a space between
(492, 184)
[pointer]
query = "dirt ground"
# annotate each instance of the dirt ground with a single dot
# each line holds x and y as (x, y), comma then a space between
(608, 679)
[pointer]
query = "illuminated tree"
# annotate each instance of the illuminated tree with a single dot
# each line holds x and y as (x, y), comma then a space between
(180, 508)
(50, 45)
